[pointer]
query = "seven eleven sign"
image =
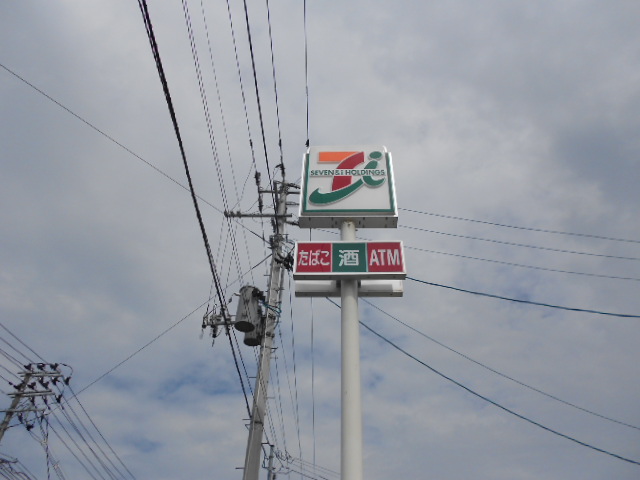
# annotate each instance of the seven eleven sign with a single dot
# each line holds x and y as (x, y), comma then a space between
(361, 260)
(354, 182)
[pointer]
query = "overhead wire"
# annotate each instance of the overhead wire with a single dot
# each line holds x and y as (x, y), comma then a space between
(275, 87)
(313, 384)
(258, 102)
(531, 229)
(493, 402)
(528, 302)
(129, 357)
(86, 443)
(10, 357)
(289, 459)
(241, 84)
(306, 65)
(51, 460)
(515, 244)
(165, 87)
(150, 342)
(219, 96)
(278, 396)
(121, 145)
(295, 376)
(511, 264)
(209, 124)
(115, 454)
(492, 370)
(213, 144)
(86, 469)
(292, 399)
(244, 101)
(169, 101)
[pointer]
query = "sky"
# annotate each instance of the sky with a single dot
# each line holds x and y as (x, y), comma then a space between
(498, 114)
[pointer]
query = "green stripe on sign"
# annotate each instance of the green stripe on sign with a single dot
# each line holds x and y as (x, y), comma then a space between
(349, 257)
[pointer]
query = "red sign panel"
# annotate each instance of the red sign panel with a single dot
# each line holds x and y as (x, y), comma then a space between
(334, 260)
(313, 257)
(385, 257)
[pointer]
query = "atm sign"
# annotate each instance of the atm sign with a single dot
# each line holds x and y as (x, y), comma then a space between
(334, 260)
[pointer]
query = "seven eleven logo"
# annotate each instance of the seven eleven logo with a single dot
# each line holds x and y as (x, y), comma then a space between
(350, 165)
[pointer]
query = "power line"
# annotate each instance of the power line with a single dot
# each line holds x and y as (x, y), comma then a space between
(224, 125)
(259, 104)
(493, 402)
(531, 229)
(306, 65)
(71, 451)
(165, 331)
(157, 337)
(511, 264)
(21, 343)
(529, 302)
(466, 357)
(514, 244)
(275, 86)
(99, 433)
(295, 375)
(119, 144)
(209, 123)
(174, 120)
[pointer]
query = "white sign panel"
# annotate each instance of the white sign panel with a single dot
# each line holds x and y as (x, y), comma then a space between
(354, 182)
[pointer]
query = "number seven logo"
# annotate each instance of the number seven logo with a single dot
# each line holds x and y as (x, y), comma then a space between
(344, 185)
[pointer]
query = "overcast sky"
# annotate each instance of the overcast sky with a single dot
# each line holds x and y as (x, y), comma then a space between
(508, 113)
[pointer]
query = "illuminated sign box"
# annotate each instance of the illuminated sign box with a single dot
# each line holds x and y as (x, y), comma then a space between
(360, 260)
(353, 182)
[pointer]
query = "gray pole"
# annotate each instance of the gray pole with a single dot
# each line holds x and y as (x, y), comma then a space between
(270, 474)
(12, 409)
(351, 467)
(253, 456)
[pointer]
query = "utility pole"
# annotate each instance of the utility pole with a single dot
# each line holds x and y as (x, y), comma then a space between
(270, 473)
(17, 396)
(38, 372)
(253, 456)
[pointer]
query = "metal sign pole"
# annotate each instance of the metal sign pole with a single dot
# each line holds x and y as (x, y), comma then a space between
(351, 423)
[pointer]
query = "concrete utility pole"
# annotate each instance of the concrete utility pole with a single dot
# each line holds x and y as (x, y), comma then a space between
(273, 301)
(38, 373)
(17, 396)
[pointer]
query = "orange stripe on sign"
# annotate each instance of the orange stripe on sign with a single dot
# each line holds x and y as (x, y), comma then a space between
(333, 156)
